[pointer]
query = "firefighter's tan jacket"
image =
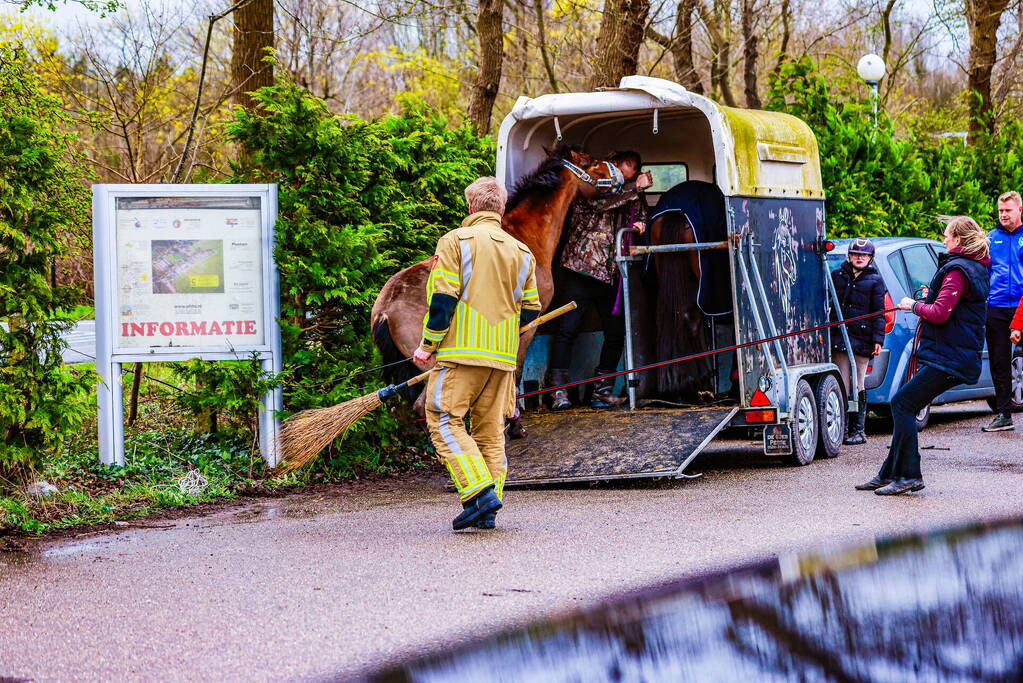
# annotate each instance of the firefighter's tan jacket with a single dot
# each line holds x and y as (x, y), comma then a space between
(492, 276)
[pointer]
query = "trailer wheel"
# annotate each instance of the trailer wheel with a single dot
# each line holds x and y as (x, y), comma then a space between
(832, 416)
(805, 426)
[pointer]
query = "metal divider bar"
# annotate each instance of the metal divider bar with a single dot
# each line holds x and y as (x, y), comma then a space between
(623, 270)
(670, 248)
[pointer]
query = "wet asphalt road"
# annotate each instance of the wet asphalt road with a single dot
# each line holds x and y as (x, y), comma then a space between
(310, 587)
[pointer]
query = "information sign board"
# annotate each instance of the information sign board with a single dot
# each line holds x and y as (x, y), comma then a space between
(183, 271)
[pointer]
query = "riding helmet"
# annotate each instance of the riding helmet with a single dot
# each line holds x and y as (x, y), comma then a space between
(861, 245)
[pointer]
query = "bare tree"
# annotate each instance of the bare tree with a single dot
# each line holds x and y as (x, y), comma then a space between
(786, 34)
(489, 21)
(983, 18)
(718, 23)
(253, 36)
(749, 54)
(622, 28)
(680, 44)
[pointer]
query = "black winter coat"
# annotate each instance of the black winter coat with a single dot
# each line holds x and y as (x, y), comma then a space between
(859, 296)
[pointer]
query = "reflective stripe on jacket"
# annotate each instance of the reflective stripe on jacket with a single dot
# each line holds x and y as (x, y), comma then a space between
(482, 279)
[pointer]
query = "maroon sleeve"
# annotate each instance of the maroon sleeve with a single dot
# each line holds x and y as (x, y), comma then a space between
(952, 289)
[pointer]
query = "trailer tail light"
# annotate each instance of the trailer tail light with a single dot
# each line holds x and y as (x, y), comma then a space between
(889, 315)
(829, 246)
(761, 416)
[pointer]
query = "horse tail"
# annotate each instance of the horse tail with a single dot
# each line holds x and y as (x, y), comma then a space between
(389, 351)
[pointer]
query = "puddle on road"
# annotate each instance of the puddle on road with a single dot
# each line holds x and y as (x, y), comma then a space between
(942, 606)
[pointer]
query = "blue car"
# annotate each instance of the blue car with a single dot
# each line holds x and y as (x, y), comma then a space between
(906, 264)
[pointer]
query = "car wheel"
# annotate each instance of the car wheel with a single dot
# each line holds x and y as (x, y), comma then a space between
(1017, 387)
(923, 417)
(831, 411)
(805, 426)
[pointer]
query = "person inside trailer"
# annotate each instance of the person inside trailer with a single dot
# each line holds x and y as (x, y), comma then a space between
(589, 276)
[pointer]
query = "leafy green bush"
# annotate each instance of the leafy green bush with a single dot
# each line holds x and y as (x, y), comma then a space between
(879, 181)
(42, 197)
(358, 200)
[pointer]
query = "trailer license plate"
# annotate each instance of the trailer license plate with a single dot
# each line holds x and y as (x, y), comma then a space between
(778, 440)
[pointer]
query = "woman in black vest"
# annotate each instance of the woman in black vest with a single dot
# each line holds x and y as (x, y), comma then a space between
(952, 329)
(861, 292)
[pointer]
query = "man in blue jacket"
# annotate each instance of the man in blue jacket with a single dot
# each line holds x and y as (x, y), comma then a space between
(1005, 293)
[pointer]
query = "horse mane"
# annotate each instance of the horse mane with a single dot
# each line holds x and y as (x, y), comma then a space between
(543, 181)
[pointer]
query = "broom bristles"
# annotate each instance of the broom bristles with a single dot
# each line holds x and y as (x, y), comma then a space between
(307, 433)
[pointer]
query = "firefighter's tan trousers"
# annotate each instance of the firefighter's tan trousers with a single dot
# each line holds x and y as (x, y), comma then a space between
(474, 460)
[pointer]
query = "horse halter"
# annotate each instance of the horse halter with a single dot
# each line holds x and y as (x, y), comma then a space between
(612, 184)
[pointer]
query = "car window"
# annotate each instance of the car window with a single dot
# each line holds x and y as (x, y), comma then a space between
(666, 176)
(920, 265)
(899, 268)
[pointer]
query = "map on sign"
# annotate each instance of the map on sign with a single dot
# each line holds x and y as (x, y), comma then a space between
(188, 266)
(189, 272)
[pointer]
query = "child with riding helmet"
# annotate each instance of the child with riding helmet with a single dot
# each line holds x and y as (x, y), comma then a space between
(861, 292)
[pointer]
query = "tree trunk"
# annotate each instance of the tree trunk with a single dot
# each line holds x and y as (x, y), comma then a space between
(721, 55)
(984, 18)
(786, 35)
(489, 22)
(541, 37)
(749, 55)
(253, 33)
(682, 48)
(618, 42)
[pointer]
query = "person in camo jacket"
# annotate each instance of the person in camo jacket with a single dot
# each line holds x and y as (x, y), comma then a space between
(589, 276)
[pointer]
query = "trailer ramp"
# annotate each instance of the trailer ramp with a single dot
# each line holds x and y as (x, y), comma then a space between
(590, 445)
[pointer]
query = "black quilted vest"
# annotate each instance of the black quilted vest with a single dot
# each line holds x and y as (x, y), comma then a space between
(957, 345)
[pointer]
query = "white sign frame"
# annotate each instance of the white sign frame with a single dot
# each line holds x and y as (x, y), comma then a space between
(109, 358)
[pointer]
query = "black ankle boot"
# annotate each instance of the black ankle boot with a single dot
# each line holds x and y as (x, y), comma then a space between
(604, 391)
(559, 397)
(476, 507)
(487, 521)
(856, 435)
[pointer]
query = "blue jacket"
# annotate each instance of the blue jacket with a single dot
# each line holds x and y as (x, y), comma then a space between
(1006, 267)
(957, 345)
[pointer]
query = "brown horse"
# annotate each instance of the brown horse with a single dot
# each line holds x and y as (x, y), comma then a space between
(535, 214)
(679, 321)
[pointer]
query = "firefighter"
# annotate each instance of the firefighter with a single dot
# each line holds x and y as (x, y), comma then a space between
(481, 290)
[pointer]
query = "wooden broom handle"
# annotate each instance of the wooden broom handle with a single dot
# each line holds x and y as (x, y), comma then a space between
(550, 315)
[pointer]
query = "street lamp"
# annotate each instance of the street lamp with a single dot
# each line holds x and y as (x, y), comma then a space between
(871, 69)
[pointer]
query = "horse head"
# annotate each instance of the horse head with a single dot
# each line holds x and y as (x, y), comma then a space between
(592, 175)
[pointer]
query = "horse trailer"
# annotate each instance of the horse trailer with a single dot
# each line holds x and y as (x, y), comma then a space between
(767, 266)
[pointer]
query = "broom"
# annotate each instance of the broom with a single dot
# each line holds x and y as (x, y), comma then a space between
(307, 433)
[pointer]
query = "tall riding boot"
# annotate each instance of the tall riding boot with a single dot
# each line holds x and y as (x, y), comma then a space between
(559, 397)
(856, 433)
(604, 391)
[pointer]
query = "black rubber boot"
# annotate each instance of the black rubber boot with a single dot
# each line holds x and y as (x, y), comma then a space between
(604, 391)
(487, 521)
(856, 433)
(476, 507)
(559, 398)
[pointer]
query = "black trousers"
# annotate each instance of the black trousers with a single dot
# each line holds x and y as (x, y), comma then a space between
(999, 350)
(904, 453)
(586, 292)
